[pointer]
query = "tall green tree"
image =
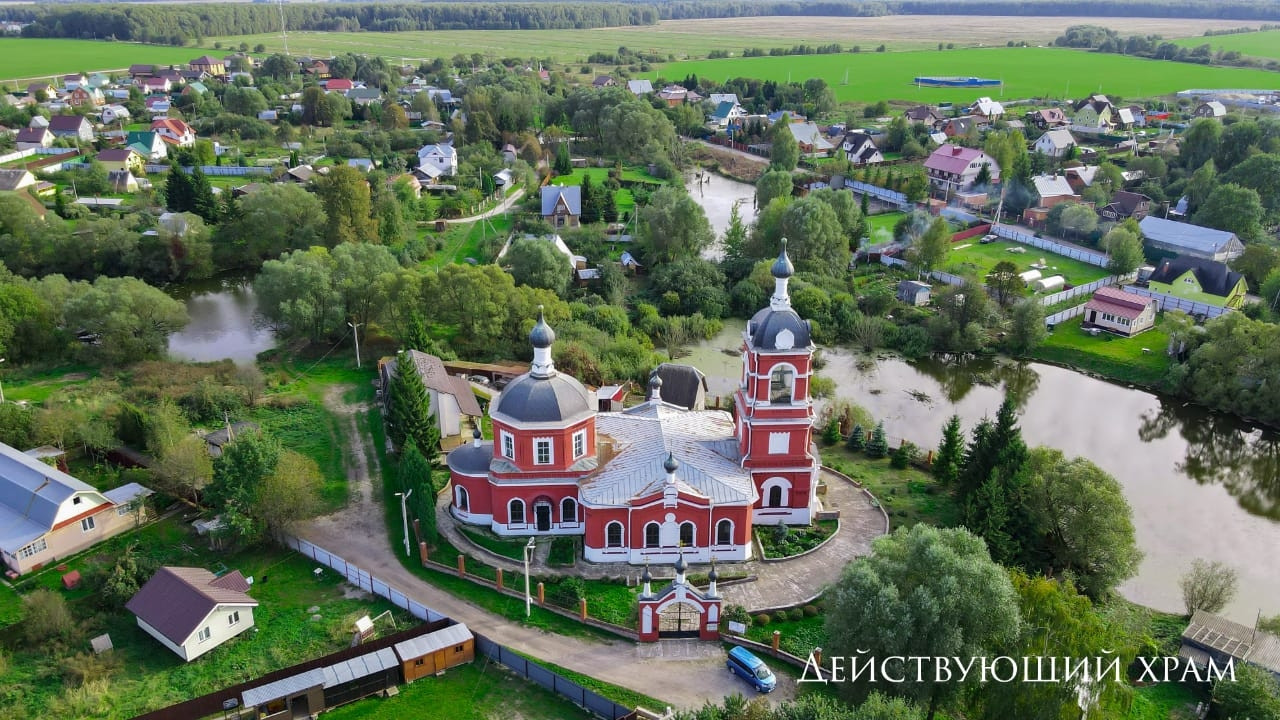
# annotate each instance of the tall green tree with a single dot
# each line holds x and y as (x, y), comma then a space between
(673, 226)
(1083, 522)
(416, 476)
(537, 263)
(1200, 143)
(784, 151)
(238, 473)
(409, 417)
(1203, 180)
(815, 238)
(1253, 693)
(177, 190)
(1235, 209)
(923, 592)
(563, 164)
(1124, 249)
(946, 463)
(344, 193)
(992, 485)
(774, 183)
(591, 202)
(203, 201)
(131, 319)
(1004, 282)
(1026, 326)
(931, 249)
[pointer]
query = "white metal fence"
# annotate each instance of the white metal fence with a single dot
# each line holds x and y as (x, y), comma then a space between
(942, 277)
(1065, 315)
(1170, 302)
(1086, 256)
(224, 170)
(1078, 290)
(362, 579)
(884, 194)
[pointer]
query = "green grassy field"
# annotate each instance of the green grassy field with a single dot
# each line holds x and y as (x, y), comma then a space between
(909, 496)
(36, 57)
(882, 223)
(1265, 44)
(978, 259)
(1115, 357)
(1027, 72)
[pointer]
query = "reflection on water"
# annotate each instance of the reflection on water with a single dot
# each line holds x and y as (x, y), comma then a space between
(223, 323)
(1201, 484)
(717, 195)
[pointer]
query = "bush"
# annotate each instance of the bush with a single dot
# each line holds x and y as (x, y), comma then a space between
(831, 433)
(84, 668)
(763, 619)
(568, 592)
(737, 613)
(904, 456)
(780, 616)
(795, 614)
(47, 618)
(780, 532)
(810, 610)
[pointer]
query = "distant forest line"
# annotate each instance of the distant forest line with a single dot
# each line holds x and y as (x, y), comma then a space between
(180, 24)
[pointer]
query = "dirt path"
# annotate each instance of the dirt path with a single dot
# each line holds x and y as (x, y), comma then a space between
(679, 672)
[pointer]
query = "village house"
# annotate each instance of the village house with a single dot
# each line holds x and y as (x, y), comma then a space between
(15, 179)
(1094, 111)
(46, 515)
(716, 98)
(438, 160)
(141, 70)
(603, 81)
(860, 149)
(451, 399)
(210, 65)
(960, 126)
(1081, 176)
(561, 205)
(29, 138)
(923, 114)
(1211, 109)
(988, 109)
(1120, 312)
(1054, 143)
(37, 89)
(1047, 119)
(1199, 280)
(192, 611)
(85, 97)
(71, 82)
(1212, 638)
(1049, 190)
(157, 105)
(364, 96)
(913, 292)
(155, 84)
(195, 89)
(1125, 205)
(113, 114)
(640, 87)
(952, 168)
(75, 127)
(148, 144)
(125, 159)
(656, 481)
(726, 114)
(1192, 240)
(810, 138)
(174, 131)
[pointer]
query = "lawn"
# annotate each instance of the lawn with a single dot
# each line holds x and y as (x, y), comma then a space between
(798, 637)
(1026, 72)
(1109, 355)
(883, 223)
(1165, 701)
(1264, 44)
(909, 496)
(145, 675)
(25, 58)
(512, 548)
(479, 691)
(622, 198)
(35, 386)
(469, 240)
(978, 259)
(797, 540)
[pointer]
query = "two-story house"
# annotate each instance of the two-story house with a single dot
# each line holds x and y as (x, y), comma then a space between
(174, 131)
(952, 168)
(437, 160)
(861, 149)
(1199, 280)
(1125, 205)
(561, 205)
(75, 127)
(1095, 111)
(211, 65)
(1055, 143)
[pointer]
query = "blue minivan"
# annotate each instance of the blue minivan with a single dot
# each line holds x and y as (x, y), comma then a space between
(752, 669)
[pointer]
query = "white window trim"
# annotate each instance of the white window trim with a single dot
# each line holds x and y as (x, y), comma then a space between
(645, 539)
(203, 634)
(581, 435)
(622, 534)
(508, 439)
(551, 450)
(717, 535)
(35, 548)
(234, 618)
(573, 504)
(87, 524)
(693, 542)
(524, 512)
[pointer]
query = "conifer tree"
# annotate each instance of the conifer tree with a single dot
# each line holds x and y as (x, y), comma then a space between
(878, 447)
(590, 202)
(563, 164)
(409, 418)
(415, 475)
(609, 206)
(177, 189)
(865, 205)
(857, 439)
(946, 464)
(203, 202)
(831, 432)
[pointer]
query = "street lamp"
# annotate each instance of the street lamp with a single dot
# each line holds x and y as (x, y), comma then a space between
(528, 599)
(404, 514)
(355, 333)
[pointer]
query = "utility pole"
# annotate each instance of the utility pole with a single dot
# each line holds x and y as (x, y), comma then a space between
(528, 599)
(404, 515)
(355, 333)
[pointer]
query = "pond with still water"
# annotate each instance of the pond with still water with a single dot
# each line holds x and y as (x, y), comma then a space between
(1201, 484)
(224, 322)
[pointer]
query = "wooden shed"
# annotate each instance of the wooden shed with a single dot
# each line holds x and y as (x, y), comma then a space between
(437, 651)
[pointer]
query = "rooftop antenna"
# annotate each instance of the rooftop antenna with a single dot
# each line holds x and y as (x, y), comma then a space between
(284, 36)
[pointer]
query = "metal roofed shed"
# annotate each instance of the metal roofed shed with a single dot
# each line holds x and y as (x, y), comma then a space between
(311, 692)
(1210, 636)
(435, 652)
(1053, 283)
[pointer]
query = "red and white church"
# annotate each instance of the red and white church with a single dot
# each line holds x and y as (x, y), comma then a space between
(655, 481)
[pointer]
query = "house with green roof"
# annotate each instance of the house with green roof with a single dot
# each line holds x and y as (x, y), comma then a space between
(148, 144)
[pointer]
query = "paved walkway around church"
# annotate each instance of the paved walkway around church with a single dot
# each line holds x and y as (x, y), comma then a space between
(778, 584)
(681, 672)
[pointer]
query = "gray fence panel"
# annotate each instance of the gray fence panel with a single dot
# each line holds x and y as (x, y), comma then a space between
(1065, 315)
(1088, 256)
(1170, 302)
(889, 196)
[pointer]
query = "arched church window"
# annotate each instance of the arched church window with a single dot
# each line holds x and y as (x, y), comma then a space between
(724, 532)
(613, 534)
(515, 512)
(781, 383)
(651, 537)
(686, 534)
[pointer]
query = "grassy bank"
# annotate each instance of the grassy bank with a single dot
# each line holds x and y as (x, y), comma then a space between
(1113, 357)
(909, 496)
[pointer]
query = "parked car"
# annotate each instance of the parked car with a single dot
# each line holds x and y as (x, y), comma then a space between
(478, 379)
(988, 239)
(752, 669)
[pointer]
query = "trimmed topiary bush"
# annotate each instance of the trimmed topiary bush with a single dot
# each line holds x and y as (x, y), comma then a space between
(763, 619)
(795, 614)
(810, 610)
(780, 616)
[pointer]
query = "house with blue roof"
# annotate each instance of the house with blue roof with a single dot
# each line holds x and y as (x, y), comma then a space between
(561, 205)
(1193, 240)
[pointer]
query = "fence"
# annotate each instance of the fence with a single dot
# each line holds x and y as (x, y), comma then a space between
(1170, 302)
(1078, 290)
(362, 579)
(1061, 317)
(974, 231)
(224, 170)
(892, 197)
(938, 275)
(552, 681)
(1087, 256)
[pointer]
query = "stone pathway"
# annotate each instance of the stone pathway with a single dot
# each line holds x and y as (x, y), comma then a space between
(779, 583)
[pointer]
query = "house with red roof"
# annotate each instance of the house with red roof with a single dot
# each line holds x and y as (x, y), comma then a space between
(952, 168)
(338, 85)
(1117, 311)
(174, 131)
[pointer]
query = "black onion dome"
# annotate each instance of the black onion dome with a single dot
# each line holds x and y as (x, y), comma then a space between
(671, 464)
(542, 336)
(476, 434)
(765, 326)
(713, 575)
(782, 267)
(647, 576)
(681, 565)
(553, 398)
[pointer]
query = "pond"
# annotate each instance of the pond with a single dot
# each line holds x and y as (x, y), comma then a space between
(224, 322)
(1201, 484)
(717, 195)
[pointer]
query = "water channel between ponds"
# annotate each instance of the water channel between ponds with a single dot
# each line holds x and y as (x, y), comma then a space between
(1201, 484)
